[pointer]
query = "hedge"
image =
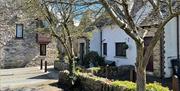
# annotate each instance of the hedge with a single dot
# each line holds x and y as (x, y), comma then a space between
(89, 82)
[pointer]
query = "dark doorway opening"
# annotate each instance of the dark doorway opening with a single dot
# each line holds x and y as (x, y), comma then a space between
(149, 67)
(81, 52)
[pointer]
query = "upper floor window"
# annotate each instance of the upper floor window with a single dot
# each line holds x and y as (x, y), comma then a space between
(121, 49)
(104, 48)
(19, 30)
(41, 23)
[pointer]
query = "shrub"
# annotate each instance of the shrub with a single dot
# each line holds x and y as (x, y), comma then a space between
(129, 85)
(94, 69)
(155, 87)
(132, 86)
(79, 69)
(94, 58)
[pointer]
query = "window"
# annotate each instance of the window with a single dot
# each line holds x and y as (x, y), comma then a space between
(43, 49)
(39, 24)
(104, 48)
(19, 31)
(120, 49)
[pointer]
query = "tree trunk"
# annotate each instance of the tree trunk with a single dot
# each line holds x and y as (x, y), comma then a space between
(71, 67)
(141, 79)
(140, 69)
(72, 76)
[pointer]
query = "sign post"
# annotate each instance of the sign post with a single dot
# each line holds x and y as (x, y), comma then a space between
(41, 64)
(43, 39)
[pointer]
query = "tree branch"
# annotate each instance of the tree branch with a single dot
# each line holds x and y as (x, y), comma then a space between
(157, 36)
(128, 16)
(76, 4)
(170, 6)
(120, 23)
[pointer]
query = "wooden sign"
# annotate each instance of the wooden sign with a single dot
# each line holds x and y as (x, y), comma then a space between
(43, 38)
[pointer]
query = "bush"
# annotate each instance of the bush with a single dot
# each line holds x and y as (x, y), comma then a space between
(94, 69)
(94, 58)
(130, 86)
(79, 69)
(155, 87)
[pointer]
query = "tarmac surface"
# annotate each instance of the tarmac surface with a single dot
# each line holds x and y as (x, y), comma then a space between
(28, 79)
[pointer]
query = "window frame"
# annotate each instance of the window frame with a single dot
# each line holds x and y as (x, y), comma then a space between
(17, 37)
(122, 51)
(43, 53)
(105, 49)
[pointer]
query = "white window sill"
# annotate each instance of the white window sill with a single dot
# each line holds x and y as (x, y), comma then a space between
(123, 57)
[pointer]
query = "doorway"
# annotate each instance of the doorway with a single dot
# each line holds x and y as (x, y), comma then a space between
(149, 67)
(81, 52)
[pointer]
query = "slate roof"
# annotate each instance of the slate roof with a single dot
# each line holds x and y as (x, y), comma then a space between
(144, 17)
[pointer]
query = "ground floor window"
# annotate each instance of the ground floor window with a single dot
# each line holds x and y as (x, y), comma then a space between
(104, 48)
(19, 31)
(120, 49)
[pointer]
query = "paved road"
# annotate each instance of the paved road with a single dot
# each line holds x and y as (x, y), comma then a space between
(27, 77)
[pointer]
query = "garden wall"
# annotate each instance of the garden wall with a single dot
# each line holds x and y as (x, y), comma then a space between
(112, 72)
(89, 82)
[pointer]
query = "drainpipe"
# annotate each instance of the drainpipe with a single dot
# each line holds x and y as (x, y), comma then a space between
(100, 42)
(178, 38)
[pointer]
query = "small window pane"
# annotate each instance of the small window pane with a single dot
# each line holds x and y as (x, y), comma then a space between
(43, 49)
(120, 49)
(19, 31)
(105, 48)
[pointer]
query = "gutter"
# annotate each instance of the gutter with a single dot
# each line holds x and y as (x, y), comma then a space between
(178, 38)
(101, 42)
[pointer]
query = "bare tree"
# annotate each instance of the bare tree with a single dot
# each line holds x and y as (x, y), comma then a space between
(60, 14)
(122, 15)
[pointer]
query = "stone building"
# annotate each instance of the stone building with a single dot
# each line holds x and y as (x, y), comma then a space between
(18, 39)
(25, 51)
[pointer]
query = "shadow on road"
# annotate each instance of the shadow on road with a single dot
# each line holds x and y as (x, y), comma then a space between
(50, 74)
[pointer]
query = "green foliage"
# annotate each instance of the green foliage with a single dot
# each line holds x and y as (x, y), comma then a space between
(156, 87)
(79, 69)
(95, 69)
(94, 58)
(132, 86)
(129, 85)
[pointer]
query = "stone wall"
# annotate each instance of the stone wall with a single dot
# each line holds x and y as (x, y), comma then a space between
(25, 52)
(90, 82)
(111, 72)
(22, 52)
(156, 54)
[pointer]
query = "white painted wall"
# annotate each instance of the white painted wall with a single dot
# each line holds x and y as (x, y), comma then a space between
(95, 41)
(170, 45)
(111, 35)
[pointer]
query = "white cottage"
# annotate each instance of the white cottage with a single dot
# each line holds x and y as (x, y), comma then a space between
(171, 44)
(115, 45)
(110, 42)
